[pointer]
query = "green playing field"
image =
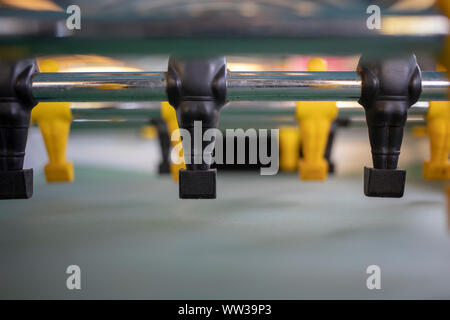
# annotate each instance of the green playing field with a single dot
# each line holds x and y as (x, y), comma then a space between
(264, 237)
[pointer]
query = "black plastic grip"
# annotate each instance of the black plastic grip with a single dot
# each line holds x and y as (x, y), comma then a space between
(196, 88)
(389, 87)
(16, 102)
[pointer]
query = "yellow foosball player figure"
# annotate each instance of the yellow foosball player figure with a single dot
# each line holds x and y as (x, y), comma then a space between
(438, 125)
(54, 119)
(169, 115)
(444, 6)
(315, 118)
(438, 122)
(289, 148)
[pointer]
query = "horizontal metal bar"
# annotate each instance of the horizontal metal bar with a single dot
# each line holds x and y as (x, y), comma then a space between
(322, 86)
(255, 114)
(293, 86)
(356, 121)
(89, 87)
(241, 86)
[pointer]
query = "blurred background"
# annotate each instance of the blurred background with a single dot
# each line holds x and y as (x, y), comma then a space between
(264, 237)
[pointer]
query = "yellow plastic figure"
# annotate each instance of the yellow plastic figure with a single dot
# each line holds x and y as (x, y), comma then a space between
(438, 124)
(289, 148)
(170, 116)
(149, 132)
(315, 118)
(444, 5)
(54, 118)
(419, 131)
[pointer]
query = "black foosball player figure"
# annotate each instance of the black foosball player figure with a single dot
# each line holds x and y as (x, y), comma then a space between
(164, 144)
(390, 86)
(196, 88)
(340, 122)
(16, 103)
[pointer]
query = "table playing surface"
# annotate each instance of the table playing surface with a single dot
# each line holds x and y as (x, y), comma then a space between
(263, 238)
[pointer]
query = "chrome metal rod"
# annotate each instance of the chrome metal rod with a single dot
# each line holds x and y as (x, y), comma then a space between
(257, 123)
(256, 114)
(90, 87)
(293, 86)
(241, 86)
(321, 86)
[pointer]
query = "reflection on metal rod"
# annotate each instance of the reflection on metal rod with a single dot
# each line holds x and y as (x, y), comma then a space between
(226, 124)
(234, 115)
(83, 86)
(241, 86)
(293, 86)
(247, 111)
(321, 86)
